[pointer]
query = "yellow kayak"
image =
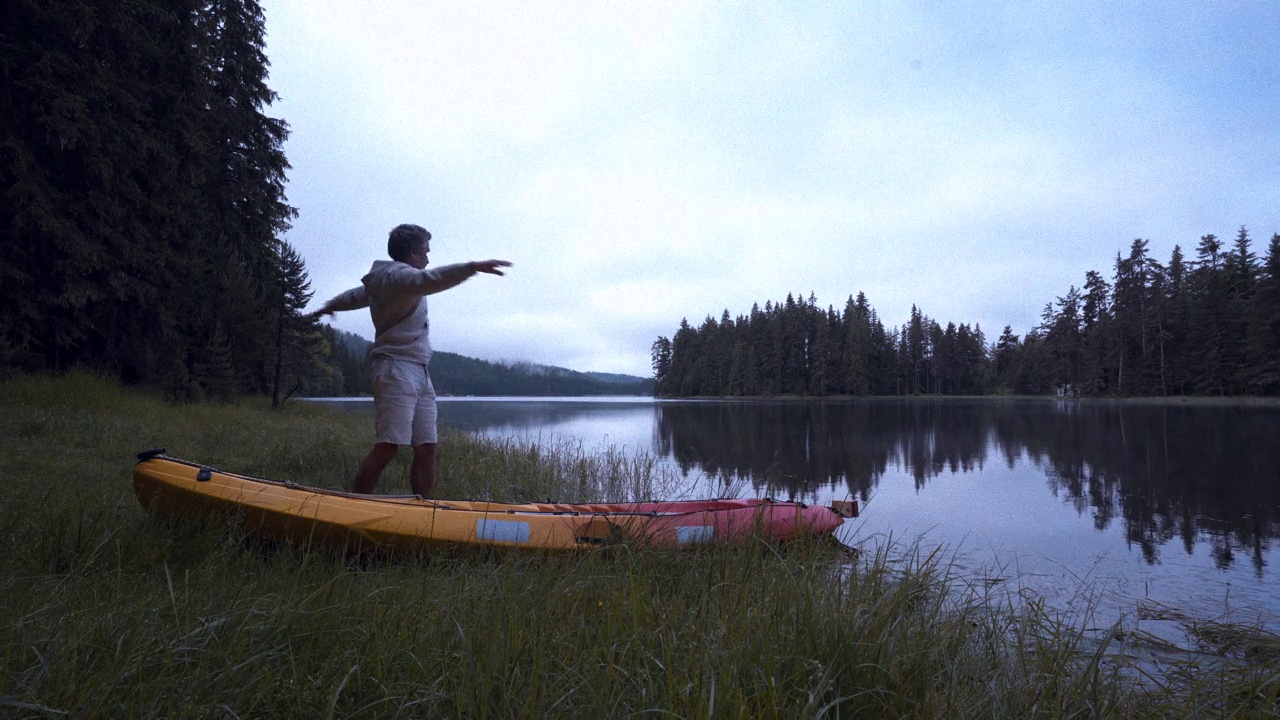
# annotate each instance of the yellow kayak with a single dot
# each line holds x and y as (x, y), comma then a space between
(330, 518)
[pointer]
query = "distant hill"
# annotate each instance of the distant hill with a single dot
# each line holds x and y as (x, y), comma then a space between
(614, 378)
(454, 374)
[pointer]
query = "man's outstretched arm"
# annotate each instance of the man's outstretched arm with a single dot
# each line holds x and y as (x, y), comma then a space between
(353, 299)
(433, 280)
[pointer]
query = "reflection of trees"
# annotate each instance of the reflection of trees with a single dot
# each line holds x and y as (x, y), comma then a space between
(796, 448)
(1167, 472)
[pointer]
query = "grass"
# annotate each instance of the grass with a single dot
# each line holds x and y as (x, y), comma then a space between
(111, 613)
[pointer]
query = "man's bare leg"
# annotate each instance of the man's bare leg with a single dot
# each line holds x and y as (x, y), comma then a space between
(422, 474)
(370, 471)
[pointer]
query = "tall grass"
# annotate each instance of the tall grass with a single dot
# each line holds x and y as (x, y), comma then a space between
(110, 613)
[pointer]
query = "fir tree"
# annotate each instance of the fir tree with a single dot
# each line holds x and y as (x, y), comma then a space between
(299, 349)
(1006, 358)
(138, 159)
(1263, 367)
(660, 358)
(1207, 367)
(858, 351)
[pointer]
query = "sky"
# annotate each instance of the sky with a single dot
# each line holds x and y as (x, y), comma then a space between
(644, 162)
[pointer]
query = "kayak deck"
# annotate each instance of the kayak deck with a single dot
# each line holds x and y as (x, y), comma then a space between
(320, 517)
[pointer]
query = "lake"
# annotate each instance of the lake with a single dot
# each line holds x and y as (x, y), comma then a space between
(1158, 513)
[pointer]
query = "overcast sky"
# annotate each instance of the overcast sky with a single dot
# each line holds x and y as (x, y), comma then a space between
(646, 162)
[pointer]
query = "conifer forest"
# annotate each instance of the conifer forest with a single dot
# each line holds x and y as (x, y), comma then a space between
(1209, 325)
(142, 200)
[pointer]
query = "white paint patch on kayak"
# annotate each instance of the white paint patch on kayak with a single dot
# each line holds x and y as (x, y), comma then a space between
(502, 530)
(695, 534)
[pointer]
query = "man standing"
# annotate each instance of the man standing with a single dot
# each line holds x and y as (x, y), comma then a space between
(404, 401)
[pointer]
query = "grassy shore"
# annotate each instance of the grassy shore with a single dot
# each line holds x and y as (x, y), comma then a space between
(110, 613)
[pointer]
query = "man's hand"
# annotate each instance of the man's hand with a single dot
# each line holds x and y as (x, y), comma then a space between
(316, 315)
(490, 266)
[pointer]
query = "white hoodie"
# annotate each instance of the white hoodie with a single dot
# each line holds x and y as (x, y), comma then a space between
(395, 294)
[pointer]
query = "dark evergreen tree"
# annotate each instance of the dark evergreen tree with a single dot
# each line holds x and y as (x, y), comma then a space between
(1262, 370)
(1177, 317)
(859, 354)
(824, 356)
(1062, 339)
(753, 337)
(137, 158)
(215, 368)
(1129, 311)
(1241, 274)
(914, 352)
(1006, 359)
(974, 362)
(1097, 368)
(660, 358)
(1161, 307)
(86, 180)
(770, 344)
(247, 176)
(684, 355)
(792, 348)
(299, 349)
(1207, 362)
(1034, 374)
(883, 369)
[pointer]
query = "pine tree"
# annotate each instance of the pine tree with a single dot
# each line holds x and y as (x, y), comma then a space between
(84, 178)
(245, 176)
(914, 342)
(684, 356)
(858, 351)
(971, 360)
(793, 372)
(883, 368)
(215, 367)
(1062, 341)
(660, 359)
(1006, 358)
(1033, 365)
(1097, 369)
(1241, 273)
(1177, 318)
(1207, 368)
(823, 354)
(299, 349)
(138, 158)
(1132, 315)
(1263, 349)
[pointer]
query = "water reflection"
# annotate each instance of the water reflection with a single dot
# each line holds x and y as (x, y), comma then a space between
(1199, 477)
(1194, 473)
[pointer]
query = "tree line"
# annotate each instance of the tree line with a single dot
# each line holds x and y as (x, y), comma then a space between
(798, 348)
(1206, 326)
(142, 199)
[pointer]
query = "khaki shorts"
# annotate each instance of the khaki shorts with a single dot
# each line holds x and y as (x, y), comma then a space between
(404, 403)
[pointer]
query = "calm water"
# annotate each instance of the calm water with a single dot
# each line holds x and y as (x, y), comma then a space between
(1137, 506)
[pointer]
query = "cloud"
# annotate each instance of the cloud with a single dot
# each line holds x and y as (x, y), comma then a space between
(648, 162)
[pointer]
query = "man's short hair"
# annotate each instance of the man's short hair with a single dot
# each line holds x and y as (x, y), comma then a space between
(405, 239)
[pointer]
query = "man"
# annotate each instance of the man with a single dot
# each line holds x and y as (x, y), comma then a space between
(404, 401)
